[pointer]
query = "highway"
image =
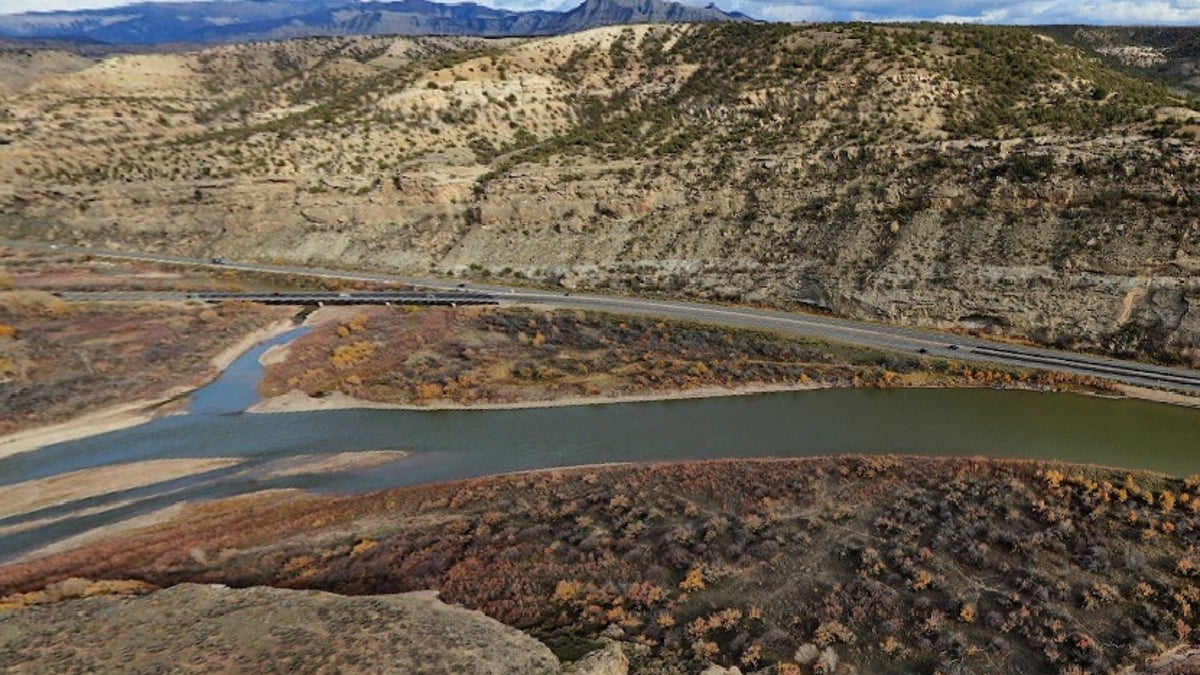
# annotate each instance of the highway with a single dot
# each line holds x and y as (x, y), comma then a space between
(307, 298)
(882, 336)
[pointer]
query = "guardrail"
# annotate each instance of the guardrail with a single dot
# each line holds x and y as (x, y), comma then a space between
(308, 298)
(1100, 368)
(351, 298)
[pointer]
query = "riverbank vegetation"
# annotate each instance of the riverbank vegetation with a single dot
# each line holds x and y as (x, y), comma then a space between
(852, 564)
(514, 355)
(60, 360)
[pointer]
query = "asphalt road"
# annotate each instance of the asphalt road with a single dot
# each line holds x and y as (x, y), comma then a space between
(307, 298)
(881, 336)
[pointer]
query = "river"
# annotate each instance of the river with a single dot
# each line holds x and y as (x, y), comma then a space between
(457, 444)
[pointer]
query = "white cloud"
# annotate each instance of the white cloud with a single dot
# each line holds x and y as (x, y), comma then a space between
(776, 11)
(1129, 12)
(1116, 12)
(1180, 12)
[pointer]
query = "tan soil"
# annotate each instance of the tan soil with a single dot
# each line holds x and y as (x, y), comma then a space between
(41, 493)
(308, 464)
(92, 424)
(295, 401)
(208, 628)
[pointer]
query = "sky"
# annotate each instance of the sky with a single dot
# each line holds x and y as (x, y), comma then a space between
(1119, 12)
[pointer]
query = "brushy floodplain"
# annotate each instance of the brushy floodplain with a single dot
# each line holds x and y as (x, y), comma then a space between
(471, 356)
(889, 565)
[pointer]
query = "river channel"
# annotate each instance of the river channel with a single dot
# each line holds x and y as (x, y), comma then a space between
(458, 444)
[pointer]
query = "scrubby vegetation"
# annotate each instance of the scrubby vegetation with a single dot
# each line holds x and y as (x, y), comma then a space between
(60, 359)
(888, 565)
(478, 355)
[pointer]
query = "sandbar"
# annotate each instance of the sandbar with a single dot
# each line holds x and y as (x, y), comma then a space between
(40, 493)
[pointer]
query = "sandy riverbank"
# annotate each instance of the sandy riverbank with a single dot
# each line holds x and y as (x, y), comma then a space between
(295, 401)
(91, 424)
(227, 357)
(1158, 396)
(34, 495)
(133, 413)
(41, 493)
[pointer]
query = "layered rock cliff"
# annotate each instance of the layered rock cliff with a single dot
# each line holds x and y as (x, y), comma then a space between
(987, 178)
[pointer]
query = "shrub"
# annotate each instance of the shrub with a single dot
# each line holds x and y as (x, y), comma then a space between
(32, 303)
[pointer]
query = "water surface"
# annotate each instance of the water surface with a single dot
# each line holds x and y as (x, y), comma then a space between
(457, 444)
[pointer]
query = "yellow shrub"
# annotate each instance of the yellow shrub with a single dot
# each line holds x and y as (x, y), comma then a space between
(694, 581)
(363, 546)
(566, 591)
(345, 356)
(32, 303)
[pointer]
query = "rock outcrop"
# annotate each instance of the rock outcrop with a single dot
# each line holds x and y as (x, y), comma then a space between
(206, 628)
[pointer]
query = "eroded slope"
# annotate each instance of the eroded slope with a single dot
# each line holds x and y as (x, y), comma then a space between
(989, 178)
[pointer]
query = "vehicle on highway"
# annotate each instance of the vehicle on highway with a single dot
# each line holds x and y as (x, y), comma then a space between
(218, 261)
(952, 347)
(922, 350)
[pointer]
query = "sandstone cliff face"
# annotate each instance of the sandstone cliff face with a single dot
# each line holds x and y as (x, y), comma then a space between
(868, 171)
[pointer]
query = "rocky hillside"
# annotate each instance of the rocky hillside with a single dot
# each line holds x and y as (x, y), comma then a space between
(977, 177)
(1171, 53)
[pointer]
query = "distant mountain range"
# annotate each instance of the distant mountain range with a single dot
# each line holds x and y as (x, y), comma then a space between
(247, 20)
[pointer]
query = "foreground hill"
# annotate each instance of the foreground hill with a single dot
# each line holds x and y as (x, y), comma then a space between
(975, 177)
(872, 565)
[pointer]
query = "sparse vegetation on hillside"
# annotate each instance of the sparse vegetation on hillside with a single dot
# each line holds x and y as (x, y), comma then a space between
(928, 174)
(886, 565)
